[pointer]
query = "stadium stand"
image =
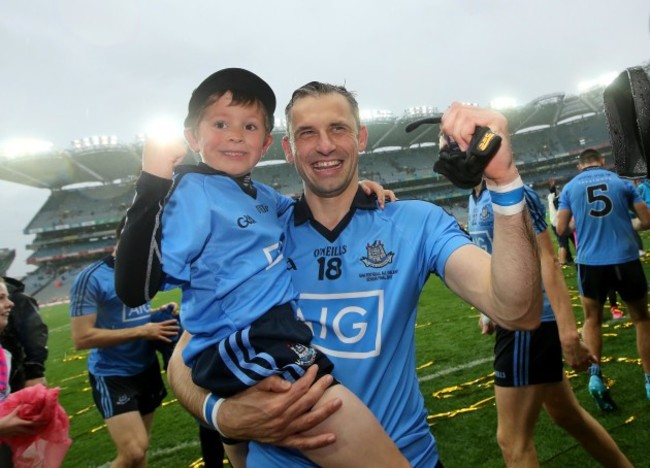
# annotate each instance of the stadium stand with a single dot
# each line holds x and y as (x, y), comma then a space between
(92, 182)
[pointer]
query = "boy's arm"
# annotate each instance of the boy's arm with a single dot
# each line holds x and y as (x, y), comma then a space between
(138, 268)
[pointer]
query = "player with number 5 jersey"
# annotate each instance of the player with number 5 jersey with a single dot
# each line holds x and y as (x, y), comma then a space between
(600, 203)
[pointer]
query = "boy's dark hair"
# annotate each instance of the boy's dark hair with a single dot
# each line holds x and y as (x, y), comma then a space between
(246, 88)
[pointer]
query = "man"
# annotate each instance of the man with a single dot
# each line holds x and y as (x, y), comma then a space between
(123, 367)
(25, 337)
(528, 364)
(607, 256)
(360, 272)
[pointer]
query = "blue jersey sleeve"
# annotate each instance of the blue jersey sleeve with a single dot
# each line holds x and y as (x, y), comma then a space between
(536, 209)
(85, 294)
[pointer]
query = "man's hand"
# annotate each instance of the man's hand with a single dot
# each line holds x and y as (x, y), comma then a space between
(576, 353)
(161, 157)
(277, 412)
(486, 325)
(460, 121)
(161, 331)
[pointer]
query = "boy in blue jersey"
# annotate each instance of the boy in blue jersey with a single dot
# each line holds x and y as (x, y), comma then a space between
(123, 367)
(607, 256)
(528, 364)
(360, 271)
(222, 241)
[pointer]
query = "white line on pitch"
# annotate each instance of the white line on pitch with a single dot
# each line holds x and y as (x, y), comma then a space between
(451, 370)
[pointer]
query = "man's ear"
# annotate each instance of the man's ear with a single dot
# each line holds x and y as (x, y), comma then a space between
(191, 140)
(362, 139)
(288, 152)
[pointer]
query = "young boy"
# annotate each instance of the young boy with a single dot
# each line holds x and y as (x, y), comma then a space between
(222, 244)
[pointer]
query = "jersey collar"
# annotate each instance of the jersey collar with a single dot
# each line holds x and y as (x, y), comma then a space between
(245, 182)
(302, 213)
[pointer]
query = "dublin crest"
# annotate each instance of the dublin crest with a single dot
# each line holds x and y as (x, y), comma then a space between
(377, 256)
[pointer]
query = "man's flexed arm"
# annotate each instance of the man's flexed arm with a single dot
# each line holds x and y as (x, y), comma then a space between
(507, 285)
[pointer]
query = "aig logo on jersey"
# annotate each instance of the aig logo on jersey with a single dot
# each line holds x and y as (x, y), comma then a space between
(345, 325)
(377, 256)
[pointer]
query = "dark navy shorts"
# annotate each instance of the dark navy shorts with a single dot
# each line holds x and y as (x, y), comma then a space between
(528, 357)
(628, 279)
(116, 395)
(275, 344)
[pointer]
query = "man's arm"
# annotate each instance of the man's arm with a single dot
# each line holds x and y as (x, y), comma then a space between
(642, 221)
(506, 286)
(273, 411)
(575, 352)
(564, 222)
(85, 335)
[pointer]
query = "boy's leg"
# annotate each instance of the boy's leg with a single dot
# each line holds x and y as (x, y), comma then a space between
(131, 438)
(360, 438)
(565, 410)
(517, 412)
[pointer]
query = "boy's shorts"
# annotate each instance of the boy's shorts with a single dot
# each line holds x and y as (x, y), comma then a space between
(528, 357)
(277, 343)
(115, 395)
(628, 279)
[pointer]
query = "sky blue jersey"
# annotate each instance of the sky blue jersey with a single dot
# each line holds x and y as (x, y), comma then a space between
(600, 202)
(481, 227)
(359, 288)
(223, 246)
(93, 292)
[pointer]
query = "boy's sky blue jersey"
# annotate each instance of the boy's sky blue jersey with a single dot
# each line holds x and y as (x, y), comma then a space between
(600, 202)
(223, 247)
(481, 227)
(93, 292)
(359, 288)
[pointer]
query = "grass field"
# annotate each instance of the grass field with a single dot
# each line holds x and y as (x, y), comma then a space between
(455, 367)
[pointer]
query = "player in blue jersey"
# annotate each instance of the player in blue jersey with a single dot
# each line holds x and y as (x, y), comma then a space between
(528, 364)
(221, 241)
(607, 256)
(360, 271)
(123, 367)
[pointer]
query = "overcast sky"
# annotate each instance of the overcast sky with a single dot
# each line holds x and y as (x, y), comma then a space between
(76, 68)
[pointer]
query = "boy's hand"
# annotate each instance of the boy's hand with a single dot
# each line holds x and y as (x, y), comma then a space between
(161, 157)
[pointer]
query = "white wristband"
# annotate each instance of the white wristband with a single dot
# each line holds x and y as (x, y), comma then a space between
(508, 199)
(210, 410)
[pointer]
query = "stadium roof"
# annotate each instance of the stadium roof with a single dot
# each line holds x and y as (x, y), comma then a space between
(104, 160)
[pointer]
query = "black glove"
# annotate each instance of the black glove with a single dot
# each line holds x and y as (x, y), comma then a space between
(465, 169)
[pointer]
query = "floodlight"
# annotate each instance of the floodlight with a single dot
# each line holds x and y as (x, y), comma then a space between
(25, 146)
(164, 129)
(503, 102)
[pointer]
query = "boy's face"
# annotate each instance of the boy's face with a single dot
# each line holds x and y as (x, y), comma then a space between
(325, 143)
(230, 137)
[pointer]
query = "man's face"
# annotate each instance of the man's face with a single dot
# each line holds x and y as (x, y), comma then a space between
(324, 144)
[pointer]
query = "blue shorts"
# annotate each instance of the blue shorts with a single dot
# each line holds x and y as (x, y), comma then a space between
(114, 395)
(528, 357)
(277, 343)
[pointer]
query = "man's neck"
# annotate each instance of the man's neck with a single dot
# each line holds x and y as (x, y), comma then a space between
(329, 211)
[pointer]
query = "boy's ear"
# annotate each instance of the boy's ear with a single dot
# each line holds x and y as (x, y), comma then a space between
(267, 143)
(288, 152)
(191, 140)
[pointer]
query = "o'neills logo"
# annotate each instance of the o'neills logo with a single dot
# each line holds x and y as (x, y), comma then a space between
(377, 256)
(485, 141)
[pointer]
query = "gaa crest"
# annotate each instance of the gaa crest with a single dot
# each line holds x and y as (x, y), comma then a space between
(377, 256)
(306, 354)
